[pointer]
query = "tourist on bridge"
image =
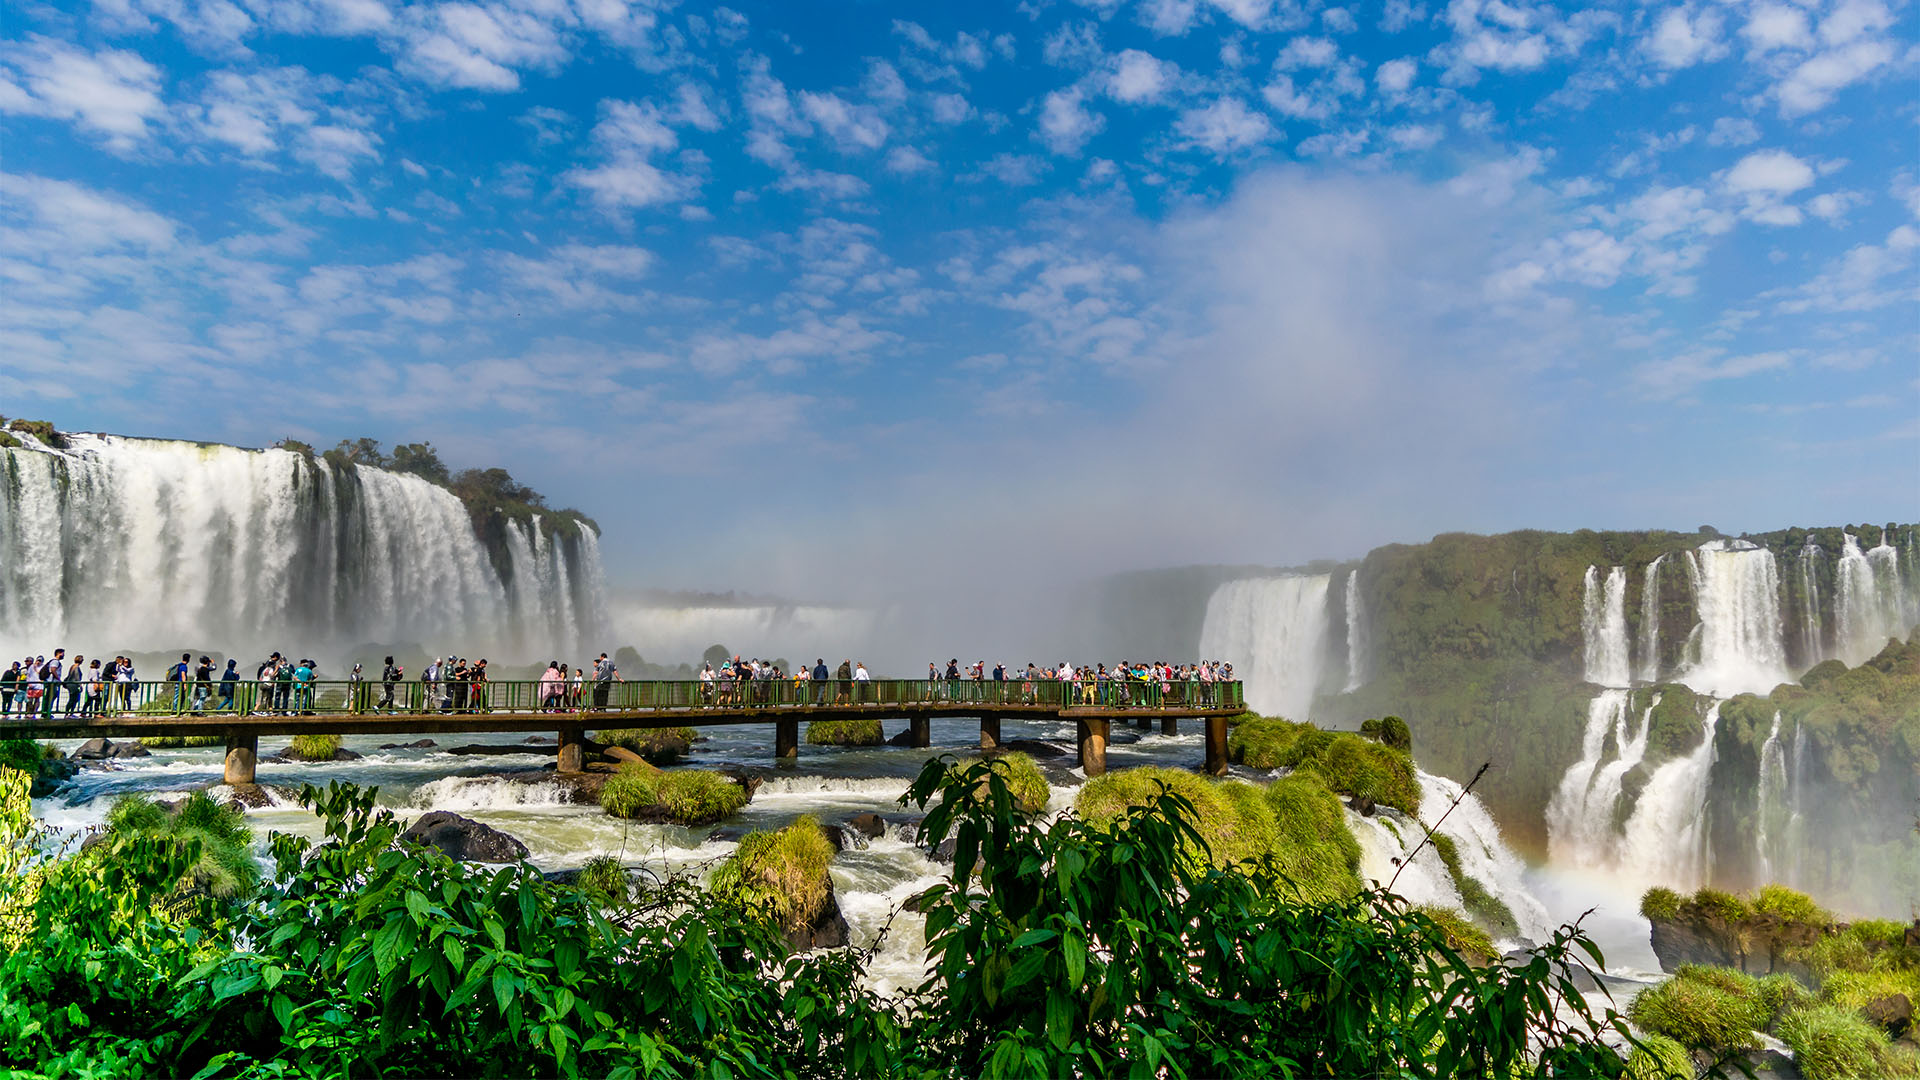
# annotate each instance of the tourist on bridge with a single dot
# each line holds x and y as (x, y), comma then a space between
(202, 685)
(603, 675)
(820, 675)
(860, 680)
(10, 681)
(229, 682)
(389, 675)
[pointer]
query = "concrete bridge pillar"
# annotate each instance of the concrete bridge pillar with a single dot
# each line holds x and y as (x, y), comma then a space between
(572, 752)
(920, 729)
(1169, 725)
(989, 733)
(786, 738)
(1093, 746)
(243, 751)
(1217, 745)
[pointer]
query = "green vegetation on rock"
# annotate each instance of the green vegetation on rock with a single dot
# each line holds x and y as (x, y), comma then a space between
(661, 746)
(1024, 780)
(1486, 909)
(1260, 742)
(1390, 730)
(1315, 855)
(845, 733)
(1228, 836)
(224, 867)
(1834, 1043)
(1702, 1010)
(1659, 1058)
(314, 747)
(1462, 935)
(681, 796)
(780, 875)
(1347, 762)
(604, 879)
(176, 742)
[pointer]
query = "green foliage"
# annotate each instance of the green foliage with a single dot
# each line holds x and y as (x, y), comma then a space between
(1724, 905)
(217, 837)
(1390, 730)
(682, 796)
(176, 742)
(1025, 780)
(1834, 1043)
(1676, 724)
(314, 747)
(1471, 942)
(1789, 905)
(1702, 1009)
(22, 754)
(1261, 742)
(1315, 857)
(1221, 833)
(605, 880)
(1659, 1058)
(1487, 910)
(1782, 994)
(420, 459)
(8, 442)
(39, 429)
(845, 733)
(780, 876)
(1856, 989)
(661, 746)
(1660, 903)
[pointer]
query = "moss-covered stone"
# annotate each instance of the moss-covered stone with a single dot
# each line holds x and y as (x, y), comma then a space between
(1024, 780)
(1462, 936)
(1659, 1058)
(1834, 1043)
(660, 746)
(782, 875)
(177, 742)
(1261, 742)
(1488, 911)
(1697, 1009)
(1314, 851)
(681, 797)
(1228, 837)
(314, 747)
(845, 733)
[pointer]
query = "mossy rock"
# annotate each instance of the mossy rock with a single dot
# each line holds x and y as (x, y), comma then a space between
(1260, 742)
(1834, 1043)
(314, 747)
(661, 746)
(845, 733)
(1390, 730)
(1024, 780)
(1347, 762)
(1462, 936)
(1487, 910)
(1659, 1058)
(1703, 1008)
(682, 796)
(1228, 836)
(1314, 851)
(177, 742)
(225, 868)
(1789, 905)
(779, 875)
(1677, 723)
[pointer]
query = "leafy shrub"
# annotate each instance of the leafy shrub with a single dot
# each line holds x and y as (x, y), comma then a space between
(779, 875)
(1314, 854)
(1659, 1058)
(603, 879)
(1789, 905)
(661, 746)
(1462, 936)
(1838, 952)
(1854, 989)
(1724, 905)
(40, 429)
(1660, 903)
(1878, 933)
(217, 836)
(1390, 730)
(314, 747)
(1695, 1009)
(1782, 994)
(1025, 780)
(1261, 742)
(682, 796)
(1833, 1043)
(1217, 821)
(176, 742)
(845, 733)
(22, 754)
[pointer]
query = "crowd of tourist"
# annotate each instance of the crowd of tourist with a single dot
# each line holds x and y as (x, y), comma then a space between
(46, 686)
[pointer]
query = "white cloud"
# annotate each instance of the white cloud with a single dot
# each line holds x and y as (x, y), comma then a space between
(1733, 131)
(1140, 78)
(851, 127)
(628, 135)
(1832, 206)
(1394, 76)
(1065, 122)
(908, 161)
(1854, 19)
(883, 83)
(1289, 100)
(1167, 18)
(78, 219)
(1768, 172)
(1680, 375)
(111, 92)
(1684, 37)
(948, 108)
(692, 107)
(1339, 20)
(1013, 170)
(478, 46)
(1776, 26)
(252, 111)
(334, 149)
(1814, 83)
(1225, 127)
(1415, 136)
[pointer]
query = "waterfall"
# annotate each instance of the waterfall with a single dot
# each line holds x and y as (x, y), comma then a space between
(1356, 635)
(1768, 806)
(1812, 629)
(1273, 631)
(1665, 840)
(1796, 816)
(1604, 627)
(1580, 815)
(147, 544)
(1871, 603)
(1650, 622)
(1741, 644)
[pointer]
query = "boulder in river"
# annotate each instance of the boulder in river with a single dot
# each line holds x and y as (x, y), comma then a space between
(870, 825)
(464, 839)
(1035, 748)
(417, 744)
(105, 749)
(53, 775)
(1698, 930)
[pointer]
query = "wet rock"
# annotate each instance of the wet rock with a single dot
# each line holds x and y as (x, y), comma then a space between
(623, 756)
(417, 744)
(828, 930)
(487, 750)
(1122, 738)
(872, 826)
(1766, 1063)
(1034, 748)
(53, 776)
(918, 901)
(944, 853)
(750, 779)
(905, 738)
(845, 837)
(729, 835)
(1760, 945)
(105, 749)
(1893, 1012)
(1362, 805)
(286, 756)
(464, 839)
(251, 796)
(535, 740)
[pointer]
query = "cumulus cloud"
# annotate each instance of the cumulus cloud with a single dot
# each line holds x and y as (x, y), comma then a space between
(1140, 78)
(629, 134)
(1066, 123)
(477, 46)
(1685, 36)
(111, 93)
(1224, 128)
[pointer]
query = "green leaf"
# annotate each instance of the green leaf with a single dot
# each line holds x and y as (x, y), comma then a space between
(1059, 1021)
(1034, 937)
(456, 953)
(502, 986)
(496, 933)
(417, 906)
(1073, 949)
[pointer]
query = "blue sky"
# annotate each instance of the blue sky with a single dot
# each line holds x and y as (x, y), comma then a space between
(815, 298)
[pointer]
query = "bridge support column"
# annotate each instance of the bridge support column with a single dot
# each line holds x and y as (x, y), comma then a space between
(920, 729)
(1093, 746)
(989, 733)
(572, 752)
(1169, 725)
(1144, 723)
(1217, 745)
(786, 738)
(242, 752)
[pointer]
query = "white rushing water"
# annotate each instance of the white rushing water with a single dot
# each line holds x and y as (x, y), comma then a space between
(1356, 634)
(1603, 627)
(1871, 602)
(1741, 637)
(1649, 666)
(1273, 630)
(1813, 635)
(1580, 816)
(1769, 810)
(145, 544)
(1665, 839)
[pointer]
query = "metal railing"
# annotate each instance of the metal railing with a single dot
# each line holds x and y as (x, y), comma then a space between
(283, 698)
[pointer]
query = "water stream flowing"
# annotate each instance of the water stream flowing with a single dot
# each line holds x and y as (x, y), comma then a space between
(1273, 630)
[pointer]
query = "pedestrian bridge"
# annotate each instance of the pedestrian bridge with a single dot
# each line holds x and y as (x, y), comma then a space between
(248, 710)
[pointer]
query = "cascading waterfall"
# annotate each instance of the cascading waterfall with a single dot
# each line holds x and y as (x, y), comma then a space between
(1273, 631)
(1649, 669)
(1812, 627)
(1356, 635)
(1770, 810)
(1665, 839)
(1484, 854)
(1741, 645)
(1796, 810)
(1870, 602)
(1581, 813)
(1604, 627)
(144, 544)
